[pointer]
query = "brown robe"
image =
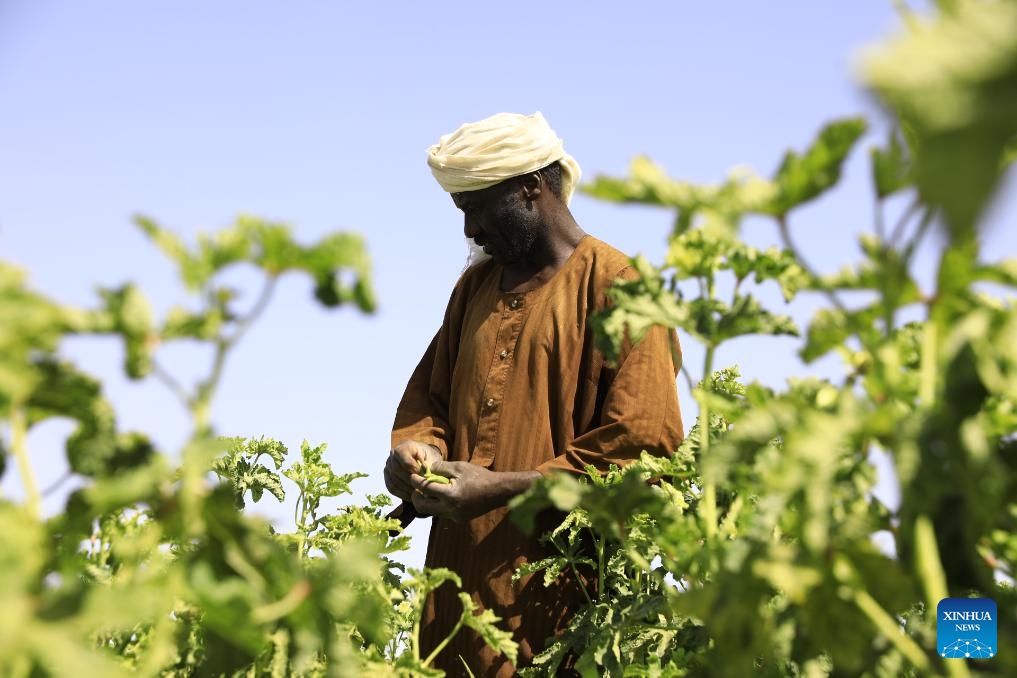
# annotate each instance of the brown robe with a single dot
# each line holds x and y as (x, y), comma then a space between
(512, 382)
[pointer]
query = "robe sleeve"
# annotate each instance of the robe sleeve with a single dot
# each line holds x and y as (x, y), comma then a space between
(423, 412)
(637, 407)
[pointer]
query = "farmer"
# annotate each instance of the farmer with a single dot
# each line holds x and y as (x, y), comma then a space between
(511, 387)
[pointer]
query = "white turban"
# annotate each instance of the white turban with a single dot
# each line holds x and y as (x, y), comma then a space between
(481, 154)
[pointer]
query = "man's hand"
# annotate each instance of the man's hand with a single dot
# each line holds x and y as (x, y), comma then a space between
(473, 489)
(404, 461)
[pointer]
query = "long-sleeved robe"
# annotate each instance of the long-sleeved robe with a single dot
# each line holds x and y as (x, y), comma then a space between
(513, 382)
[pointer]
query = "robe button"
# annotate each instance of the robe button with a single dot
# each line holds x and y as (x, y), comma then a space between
(490, 402)
(503, 355)
(515, 303)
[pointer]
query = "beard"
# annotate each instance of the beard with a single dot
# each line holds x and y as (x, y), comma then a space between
(514, 241)
(476, 254)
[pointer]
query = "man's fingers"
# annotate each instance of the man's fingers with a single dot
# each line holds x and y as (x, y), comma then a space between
(429, 487)
(433, 506)
(397, 485)
(443, 468)
(425, 505)
(405, 458)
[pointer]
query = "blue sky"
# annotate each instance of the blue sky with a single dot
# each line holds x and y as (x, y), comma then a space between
(319, 114)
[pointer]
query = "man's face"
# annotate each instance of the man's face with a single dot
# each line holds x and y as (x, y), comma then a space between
(500, 220)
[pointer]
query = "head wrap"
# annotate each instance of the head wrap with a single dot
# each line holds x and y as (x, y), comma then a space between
(481, 154)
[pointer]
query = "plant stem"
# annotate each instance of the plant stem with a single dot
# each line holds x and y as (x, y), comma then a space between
(879, 220)
(417, 616)
(442, 644)
(884, 622)
(259, 307)
(709, 511)
(927, 367)
(19, 432)
(888, 626)
(299, 517)
(902, 223)
(57, 483)
(688, 378)
(201, 402)
(929, 569)
(920, 231)
(600, 570)
(930, 572)
(575, 572)
(582, 586)
(734, 292)
(173, 385)
(785, 236)
(285, 605)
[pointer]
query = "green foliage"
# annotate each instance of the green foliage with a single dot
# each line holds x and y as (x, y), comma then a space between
(700, 254)
(153, 568)
(270, 247)
(801, 178)
(891, 167)
(952, 81)
(241, 468)
(752, 551)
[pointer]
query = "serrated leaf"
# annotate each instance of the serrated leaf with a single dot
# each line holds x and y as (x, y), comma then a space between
(485, 624)
(636, 306)
(747, 316)
(801, 178)
(263, 479)
(891, 168)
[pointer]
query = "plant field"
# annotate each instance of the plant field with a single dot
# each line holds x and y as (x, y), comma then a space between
(752, 550)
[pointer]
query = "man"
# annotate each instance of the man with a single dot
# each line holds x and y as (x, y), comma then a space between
(512, 388)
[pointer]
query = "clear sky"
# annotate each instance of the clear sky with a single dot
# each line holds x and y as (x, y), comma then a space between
(319, 114)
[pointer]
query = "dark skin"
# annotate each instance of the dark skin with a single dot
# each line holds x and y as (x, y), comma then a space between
(529, 230)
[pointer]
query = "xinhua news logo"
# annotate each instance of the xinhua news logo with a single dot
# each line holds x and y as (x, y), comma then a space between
(966, 628)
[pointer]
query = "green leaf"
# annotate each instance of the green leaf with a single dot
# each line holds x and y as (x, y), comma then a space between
(746, 316)
(801, 178)
(700, 252)
(30, 326)
(635, 307)
(648, 184)
(891, 168)
(779, 266)
(565, 493)
(131, 317)
(830, 328)
(423, 582)
(338, 264)
(485, 624)
(182, 324)
(1009, 154)
(1003, 273)
(170, 244)
(95, 448)
(106, 494)
(341, 269)
(953, 80)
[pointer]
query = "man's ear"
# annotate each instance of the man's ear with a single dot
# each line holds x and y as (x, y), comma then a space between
(532, 184)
